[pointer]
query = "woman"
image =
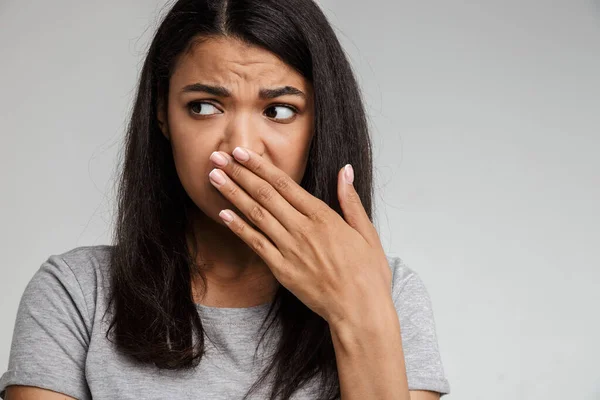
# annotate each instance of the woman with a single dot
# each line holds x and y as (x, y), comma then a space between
(249, 107)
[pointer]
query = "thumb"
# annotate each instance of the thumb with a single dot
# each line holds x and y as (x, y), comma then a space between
(352, 208)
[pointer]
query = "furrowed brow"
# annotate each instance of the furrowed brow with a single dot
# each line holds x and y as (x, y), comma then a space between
(201, 87)
(281, 91)
(263, 93)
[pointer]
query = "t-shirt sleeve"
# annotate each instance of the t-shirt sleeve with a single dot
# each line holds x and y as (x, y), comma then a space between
(424, 367)
(51, 333)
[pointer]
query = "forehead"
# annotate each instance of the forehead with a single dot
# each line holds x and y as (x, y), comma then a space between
(229, 60)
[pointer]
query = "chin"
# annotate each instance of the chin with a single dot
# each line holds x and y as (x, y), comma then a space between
(218, 203)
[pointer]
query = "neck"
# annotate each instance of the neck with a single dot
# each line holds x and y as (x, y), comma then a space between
(236, 277)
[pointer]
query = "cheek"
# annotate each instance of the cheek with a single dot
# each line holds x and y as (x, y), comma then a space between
(192, 163)
(292, 160)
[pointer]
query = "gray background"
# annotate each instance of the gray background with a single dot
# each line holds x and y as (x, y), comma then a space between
(486, 124)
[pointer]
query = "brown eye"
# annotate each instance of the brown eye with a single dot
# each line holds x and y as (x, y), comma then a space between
(202, 108)
(281, 112)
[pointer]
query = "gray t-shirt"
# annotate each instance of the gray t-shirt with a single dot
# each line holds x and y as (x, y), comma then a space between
(59, 340)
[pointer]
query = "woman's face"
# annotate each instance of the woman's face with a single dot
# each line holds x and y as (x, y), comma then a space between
(224, 94)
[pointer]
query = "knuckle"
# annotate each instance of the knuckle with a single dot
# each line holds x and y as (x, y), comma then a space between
(265, 193)
(258, 167)
(257, 214)
(239, 228)
(236, 170)
(282, 183)
(304, 232)
(296, 251)
(233, 191)
(257, 244)
(285, 276)
(354, 198)
(319, 214)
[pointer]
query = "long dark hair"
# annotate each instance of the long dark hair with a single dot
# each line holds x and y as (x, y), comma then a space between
(155, 319)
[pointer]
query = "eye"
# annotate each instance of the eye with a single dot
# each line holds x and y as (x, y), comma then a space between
(286, 113)
(204, 107)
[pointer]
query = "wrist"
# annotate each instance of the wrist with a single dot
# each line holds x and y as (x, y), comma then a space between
(363, 330)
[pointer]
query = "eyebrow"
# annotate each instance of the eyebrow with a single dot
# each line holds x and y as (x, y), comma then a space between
(263, 93)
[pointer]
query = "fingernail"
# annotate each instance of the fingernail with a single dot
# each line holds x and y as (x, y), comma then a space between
(349, 173)
(218, 159)
(217, 177)
(226, 216)
(241, 154)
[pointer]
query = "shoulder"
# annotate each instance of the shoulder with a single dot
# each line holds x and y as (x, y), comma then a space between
(76, 276)
(55, 320)
(88, 264)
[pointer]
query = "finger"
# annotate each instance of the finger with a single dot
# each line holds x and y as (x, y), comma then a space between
(353, 210)
(291, 191)
(255, 212)
(261, 191)
(256, 241)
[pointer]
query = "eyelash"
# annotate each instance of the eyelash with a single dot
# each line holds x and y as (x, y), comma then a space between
(195, 102)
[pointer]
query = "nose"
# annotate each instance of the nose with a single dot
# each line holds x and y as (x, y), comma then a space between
(242, 131)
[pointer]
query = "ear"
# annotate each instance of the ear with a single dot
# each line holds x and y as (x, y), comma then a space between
(161, 115)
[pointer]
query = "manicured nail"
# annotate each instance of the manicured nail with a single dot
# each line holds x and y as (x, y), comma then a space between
(218, 159)
(241, 154)
(216, 176)
(226, 216)
(349, 173)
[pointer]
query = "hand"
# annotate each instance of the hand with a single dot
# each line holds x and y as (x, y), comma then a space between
(336, 266)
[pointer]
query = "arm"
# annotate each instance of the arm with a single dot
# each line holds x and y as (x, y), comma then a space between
(18, 392)
(50, 338)
(370, 359)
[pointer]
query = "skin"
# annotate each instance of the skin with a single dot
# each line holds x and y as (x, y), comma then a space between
(236, 276)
